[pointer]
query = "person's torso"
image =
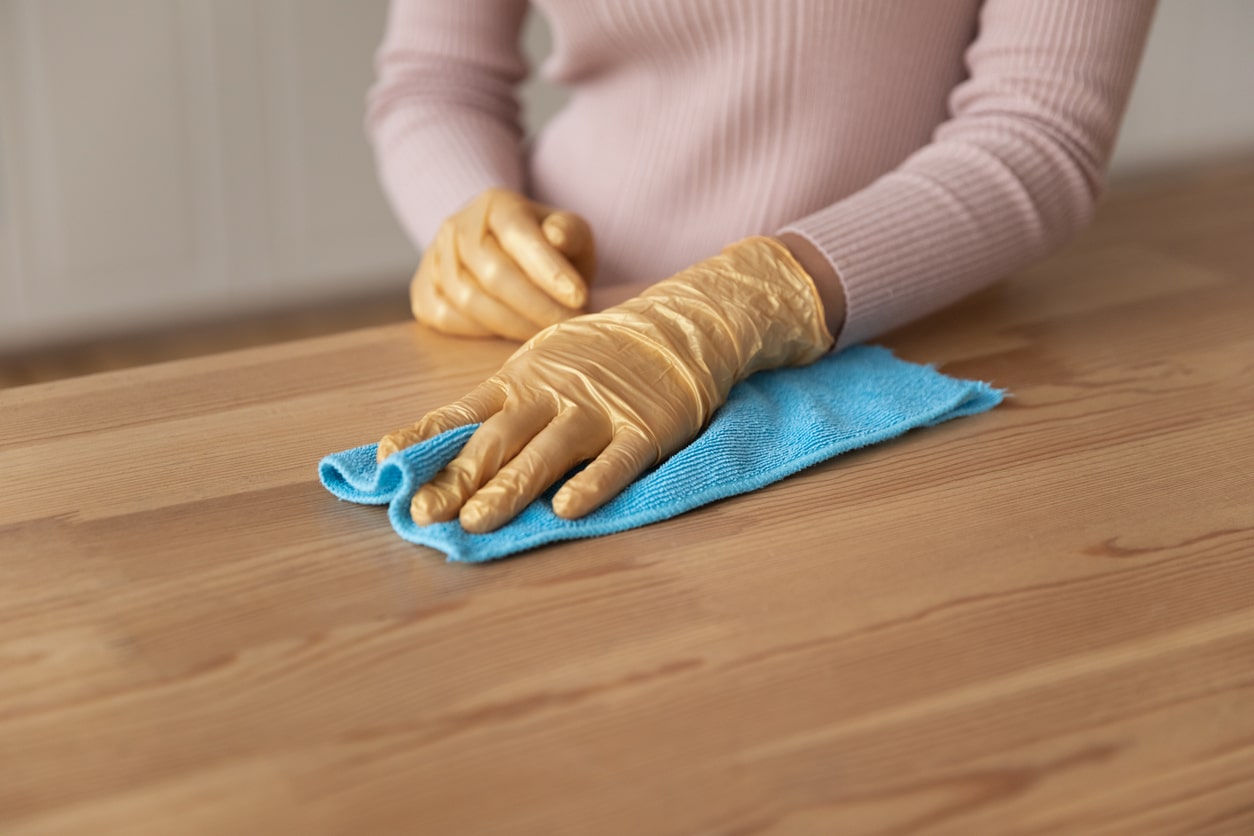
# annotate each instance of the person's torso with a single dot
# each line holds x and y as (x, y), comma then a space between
(693, 123)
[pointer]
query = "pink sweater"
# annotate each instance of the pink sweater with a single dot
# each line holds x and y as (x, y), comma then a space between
(926, 148)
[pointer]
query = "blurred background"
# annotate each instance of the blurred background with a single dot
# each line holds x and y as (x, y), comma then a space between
(185, 176)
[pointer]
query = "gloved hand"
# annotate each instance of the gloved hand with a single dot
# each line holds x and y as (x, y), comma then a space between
(625, 387)
(504, 266)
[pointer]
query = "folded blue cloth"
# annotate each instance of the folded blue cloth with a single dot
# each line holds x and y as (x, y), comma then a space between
(773, 424)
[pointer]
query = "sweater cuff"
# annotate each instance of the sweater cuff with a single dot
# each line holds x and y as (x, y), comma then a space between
(907, 246)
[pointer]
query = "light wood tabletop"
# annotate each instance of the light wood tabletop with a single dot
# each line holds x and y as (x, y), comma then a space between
(1037, 620)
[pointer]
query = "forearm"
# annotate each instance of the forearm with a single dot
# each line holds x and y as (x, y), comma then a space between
(812, 260)
(1011, 176)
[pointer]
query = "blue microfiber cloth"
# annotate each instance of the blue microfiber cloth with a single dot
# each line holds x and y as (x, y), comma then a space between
(773, 424)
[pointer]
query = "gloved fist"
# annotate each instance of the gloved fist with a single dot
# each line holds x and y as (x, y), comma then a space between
(504, 266)
(625, 387)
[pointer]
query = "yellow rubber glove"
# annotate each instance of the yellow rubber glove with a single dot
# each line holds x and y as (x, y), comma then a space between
(625, 387)
(504, 266)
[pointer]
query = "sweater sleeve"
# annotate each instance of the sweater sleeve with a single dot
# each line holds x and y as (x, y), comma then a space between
(1012, 174)
(443, 115)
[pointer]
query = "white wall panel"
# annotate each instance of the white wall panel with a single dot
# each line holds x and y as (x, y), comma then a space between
(12, 306)
(112, 168)
(107, 184)
(330, 225)
(168, 159)
(1194, 98)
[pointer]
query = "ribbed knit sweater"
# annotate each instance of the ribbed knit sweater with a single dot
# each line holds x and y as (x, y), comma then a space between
(926, 147)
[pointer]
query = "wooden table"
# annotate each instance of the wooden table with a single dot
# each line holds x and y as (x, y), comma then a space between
(1038, 620)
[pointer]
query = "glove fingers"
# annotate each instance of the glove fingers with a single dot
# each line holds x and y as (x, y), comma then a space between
(568, 440)
(456, 284)
(496, 442)
(626, 457)
(483, 401)
(497, 274)
(433, 310)
(570, 233)
(518, 232)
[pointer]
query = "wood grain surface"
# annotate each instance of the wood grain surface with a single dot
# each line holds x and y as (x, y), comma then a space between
(181, 340)
(1038, 620)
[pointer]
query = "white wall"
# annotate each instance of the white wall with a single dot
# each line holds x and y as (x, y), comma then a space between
(164, 160)
(170, 159)
(1194, 99)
